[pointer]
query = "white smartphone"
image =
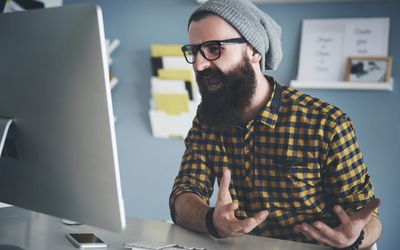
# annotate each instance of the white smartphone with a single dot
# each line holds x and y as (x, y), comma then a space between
(86, 240)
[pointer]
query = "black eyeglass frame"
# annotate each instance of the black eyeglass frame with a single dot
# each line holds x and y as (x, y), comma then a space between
(198, 47)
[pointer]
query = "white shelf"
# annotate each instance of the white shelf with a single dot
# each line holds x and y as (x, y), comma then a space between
(113, 82)
(112, 45)
(387, 86)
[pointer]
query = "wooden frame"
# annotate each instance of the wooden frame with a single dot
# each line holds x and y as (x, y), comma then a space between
(369, 69)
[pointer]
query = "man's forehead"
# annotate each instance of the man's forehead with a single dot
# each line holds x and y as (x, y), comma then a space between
(211, 27)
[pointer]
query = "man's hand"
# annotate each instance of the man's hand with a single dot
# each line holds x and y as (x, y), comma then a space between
(224, 219)
(346, 233)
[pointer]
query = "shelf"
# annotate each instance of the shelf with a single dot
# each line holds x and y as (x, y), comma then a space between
(386, 86)
(113, 82)
(112, 45)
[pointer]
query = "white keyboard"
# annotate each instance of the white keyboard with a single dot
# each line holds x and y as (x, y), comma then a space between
(150, 245)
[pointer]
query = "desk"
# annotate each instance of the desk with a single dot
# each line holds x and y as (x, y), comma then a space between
(36, 231)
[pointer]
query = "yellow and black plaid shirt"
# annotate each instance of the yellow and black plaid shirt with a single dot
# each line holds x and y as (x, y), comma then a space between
(298, 158)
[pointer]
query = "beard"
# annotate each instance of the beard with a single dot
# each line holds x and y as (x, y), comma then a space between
(225, 96)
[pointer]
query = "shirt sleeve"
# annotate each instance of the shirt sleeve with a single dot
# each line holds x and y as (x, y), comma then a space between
(347, 182)
(195, 176)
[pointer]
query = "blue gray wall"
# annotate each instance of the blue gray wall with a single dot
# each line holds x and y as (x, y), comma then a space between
(149, 165)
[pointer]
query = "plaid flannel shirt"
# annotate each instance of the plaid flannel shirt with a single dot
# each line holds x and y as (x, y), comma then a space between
(298, 158)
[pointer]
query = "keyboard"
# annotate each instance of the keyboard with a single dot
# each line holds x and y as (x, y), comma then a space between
(150, 245)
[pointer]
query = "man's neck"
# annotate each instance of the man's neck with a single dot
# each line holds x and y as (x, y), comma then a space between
(261, 96)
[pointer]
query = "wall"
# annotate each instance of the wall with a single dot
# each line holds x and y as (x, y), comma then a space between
(149, 165)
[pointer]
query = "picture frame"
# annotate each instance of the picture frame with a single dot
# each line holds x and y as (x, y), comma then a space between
(369, 69)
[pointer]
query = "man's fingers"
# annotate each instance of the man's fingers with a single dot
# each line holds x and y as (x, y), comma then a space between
(248, 224)
(223, 195)
(325, 229)
(366, 212)
(310, 231)
(261, 216)
(343, 216)
(225, 180)
(243, 226)
(297, 229)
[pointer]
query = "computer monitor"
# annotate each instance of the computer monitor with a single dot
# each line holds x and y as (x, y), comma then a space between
(60, 156)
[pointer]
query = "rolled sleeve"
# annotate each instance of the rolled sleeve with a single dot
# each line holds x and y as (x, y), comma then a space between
(194, 175)
(347, 180)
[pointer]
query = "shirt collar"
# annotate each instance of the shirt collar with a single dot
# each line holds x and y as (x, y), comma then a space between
(269, 115)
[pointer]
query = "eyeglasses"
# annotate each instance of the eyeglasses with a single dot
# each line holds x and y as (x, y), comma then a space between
(210, 50)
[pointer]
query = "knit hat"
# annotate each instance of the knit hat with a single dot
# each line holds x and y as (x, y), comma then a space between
(258, 28)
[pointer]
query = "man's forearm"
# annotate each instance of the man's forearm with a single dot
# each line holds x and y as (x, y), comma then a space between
(190, 212)
(372, 232)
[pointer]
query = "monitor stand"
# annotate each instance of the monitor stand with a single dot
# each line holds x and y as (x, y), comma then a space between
(5, 124)
(10, 247)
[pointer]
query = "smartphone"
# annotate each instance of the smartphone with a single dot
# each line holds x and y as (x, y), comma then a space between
(86, 240)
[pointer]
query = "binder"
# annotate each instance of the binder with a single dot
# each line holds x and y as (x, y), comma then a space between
(168, 62)
(172, 103)
(158, 50)
(164, 85)
(176, 74)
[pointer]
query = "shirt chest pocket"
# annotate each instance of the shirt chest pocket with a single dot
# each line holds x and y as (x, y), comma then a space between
(295, 174)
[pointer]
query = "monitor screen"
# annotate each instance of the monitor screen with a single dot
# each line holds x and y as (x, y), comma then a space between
(60, 155)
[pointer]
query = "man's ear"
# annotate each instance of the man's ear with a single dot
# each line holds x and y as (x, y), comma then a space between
(254, 56)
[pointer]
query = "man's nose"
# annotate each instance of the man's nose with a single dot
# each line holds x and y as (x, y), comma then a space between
(201, 63)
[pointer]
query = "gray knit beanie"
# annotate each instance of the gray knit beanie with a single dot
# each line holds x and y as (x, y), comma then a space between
(259, 29)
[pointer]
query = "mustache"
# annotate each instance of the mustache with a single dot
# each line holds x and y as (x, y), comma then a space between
(209, 72)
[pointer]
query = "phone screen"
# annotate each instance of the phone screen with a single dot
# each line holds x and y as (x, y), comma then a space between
(86, 240)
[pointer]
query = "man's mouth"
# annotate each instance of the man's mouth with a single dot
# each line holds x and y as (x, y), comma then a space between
(213, 83)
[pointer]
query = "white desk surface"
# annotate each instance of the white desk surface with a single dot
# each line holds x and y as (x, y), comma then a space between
(36, 231)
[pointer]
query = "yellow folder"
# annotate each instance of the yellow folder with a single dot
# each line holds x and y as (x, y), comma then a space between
(172, 103)
(176, 74)
(158, 50)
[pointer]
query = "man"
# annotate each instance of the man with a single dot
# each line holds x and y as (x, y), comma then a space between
(288, 165)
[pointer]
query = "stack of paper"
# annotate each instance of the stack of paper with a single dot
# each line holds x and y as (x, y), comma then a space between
(175, 95)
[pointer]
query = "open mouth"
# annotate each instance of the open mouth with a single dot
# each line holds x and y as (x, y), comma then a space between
(213, 83)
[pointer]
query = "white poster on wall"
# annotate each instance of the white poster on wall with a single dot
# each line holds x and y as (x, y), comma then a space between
(327, 43)
(367, 37)
(323, 60)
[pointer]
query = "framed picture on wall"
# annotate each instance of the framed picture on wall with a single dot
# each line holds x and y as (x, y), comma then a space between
(369, 69)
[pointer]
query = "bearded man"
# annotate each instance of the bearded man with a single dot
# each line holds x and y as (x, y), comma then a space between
(288, 165)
